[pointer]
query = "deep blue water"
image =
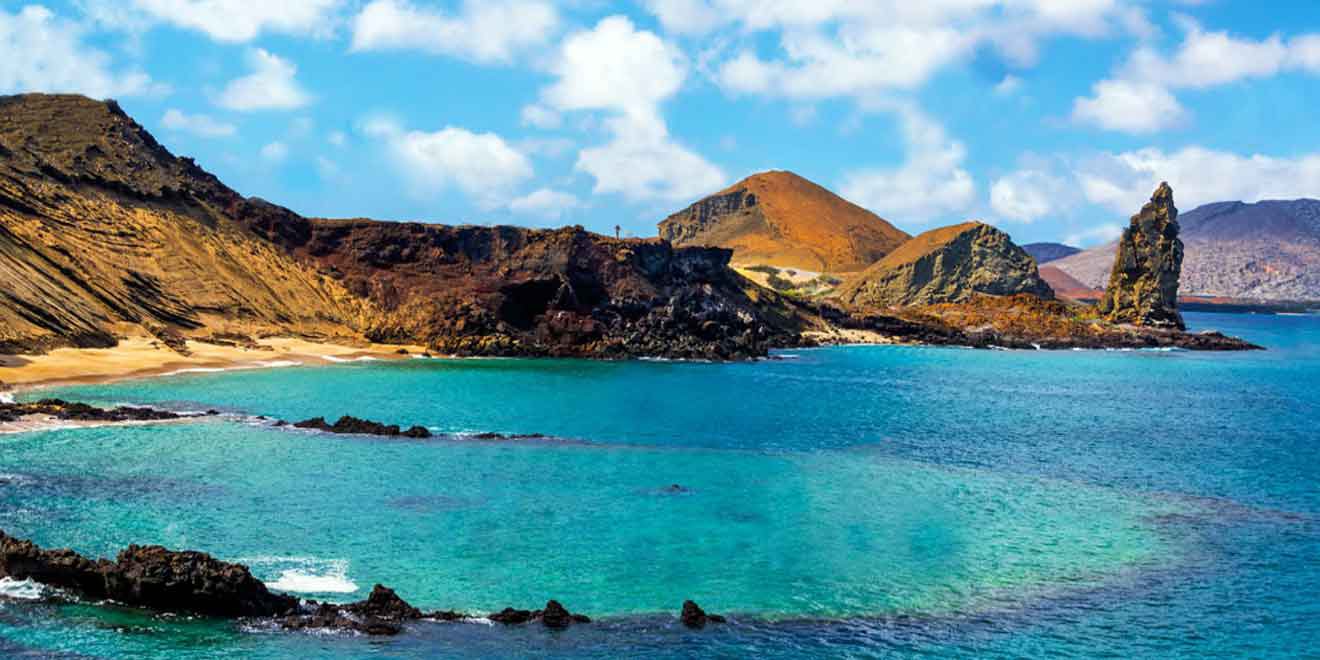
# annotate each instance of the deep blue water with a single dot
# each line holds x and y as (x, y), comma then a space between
(841, 502)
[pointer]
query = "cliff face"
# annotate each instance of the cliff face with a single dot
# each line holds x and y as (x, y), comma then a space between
(1143, 284)
(102, 229)
(781, 219)
(103, 232)
(565, 292)
(947, 265)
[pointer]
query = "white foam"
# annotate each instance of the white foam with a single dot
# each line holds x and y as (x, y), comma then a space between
(21, 589)
(6, 397)
(364, 358)
(275, 364)
(304, 575)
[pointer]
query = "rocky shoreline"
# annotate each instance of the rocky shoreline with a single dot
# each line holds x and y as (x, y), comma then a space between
(190, 582)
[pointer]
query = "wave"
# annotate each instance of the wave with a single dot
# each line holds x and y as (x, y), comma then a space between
(12, 589)
(304, 575)
(6, 397)
(260, 364)
(364, 358)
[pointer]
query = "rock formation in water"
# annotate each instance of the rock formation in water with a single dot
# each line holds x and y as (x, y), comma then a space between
(693, 616)
(553, 615)
(950, 264)
(1143, 284)
(147, 576)
(82, 412)
(103, 232)
(781, 219)
(354, 426)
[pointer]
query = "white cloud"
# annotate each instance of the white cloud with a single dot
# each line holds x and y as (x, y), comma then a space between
(275, 152)
(545, 203)
(1008, 86)
(830, 48)
(200, 125)
(233, 20)
(628, 73)
(1099, 235)
(1028, 195)
(1138, 97)
(43, 53)
(929, 184)
(484, 31)
(270, 86)
(614, 66)
(1123, 181)
(1130, 107)
(337, 138)
(482, 165)
(642, 163)
(539, 116)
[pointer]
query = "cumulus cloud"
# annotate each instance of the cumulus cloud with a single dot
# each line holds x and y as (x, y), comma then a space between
(1138, 97)
(230, 21)
(1123, 181)
(270, 86)
(484, 31)
(199, 124)
(539, 116)
(482, 165)
(44, 53)
(1097, 235)
(931, 182)
(1028, 195)
(831, 48)
(628, 73)
(275, 152)
(546, 203)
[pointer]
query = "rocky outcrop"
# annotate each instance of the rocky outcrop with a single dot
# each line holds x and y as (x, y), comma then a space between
(81, 412)
(349, 425)
(1143, 284)
(553, 615)
(950, 264)
(781, 219)
(1262, 251)
(147, 576)
(693, 616)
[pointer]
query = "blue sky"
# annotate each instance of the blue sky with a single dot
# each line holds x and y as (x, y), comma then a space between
(1052, 119)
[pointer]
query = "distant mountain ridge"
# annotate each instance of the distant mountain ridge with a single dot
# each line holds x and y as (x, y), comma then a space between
(1268, 250)
(1046, 252)
(780, 219)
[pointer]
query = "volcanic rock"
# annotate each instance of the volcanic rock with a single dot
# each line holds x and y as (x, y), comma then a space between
(950, 264)
(147, 576)
(693, 616)
(781, 219)
(82, 412)
(350, 425)
(1143, 284)
(554, 615)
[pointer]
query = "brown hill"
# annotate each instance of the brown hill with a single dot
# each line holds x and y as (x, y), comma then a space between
(1067, 286)
(946, 265)
(781, 219)
(104, 233)
(102, 228)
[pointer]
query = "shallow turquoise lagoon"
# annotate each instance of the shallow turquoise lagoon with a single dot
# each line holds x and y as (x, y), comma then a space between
(841, 502)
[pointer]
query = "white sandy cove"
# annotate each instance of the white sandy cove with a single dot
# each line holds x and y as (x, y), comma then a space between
(144, 356)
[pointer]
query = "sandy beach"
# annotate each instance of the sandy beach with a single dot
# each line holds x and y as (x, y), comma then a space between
(138, 357)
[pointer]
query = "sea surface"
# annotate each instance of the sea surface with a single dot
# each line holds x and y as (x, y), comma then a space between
(865, 502)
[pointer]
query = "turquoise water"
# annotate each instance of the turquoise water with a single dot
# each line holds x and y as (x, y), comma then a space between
(841, 502)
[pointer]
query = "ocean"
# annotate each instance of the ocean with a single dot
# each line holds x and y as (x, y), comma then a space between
(857, 501)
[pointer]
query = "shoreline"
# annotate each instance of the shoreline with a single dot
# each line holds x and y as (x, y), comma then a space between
(145, 357)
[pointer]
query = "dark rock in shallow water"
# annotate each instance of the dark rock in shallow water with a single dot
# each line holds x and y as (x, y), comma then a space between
(147, 576)
(350, 425)
(554, 615)
(386, 604)
(81, 412)
(693, 616)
